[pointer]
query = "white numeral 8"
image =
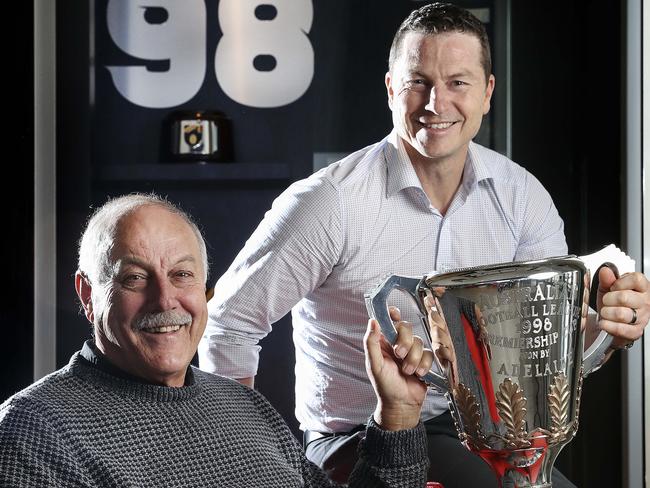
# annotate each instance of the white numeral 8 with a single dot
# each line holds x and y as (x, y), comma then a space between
(279, 44)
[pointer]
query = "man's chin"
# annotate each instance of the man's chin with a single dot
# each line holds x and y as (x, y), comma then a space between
(167, 374)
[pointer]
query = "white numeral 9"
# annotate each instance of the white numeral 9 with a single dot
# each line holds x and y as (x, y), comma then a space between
(281, 42)
(179, 39)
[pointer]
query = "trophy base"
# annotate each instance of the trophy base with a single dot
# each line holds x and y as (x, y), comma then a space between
(522, 468)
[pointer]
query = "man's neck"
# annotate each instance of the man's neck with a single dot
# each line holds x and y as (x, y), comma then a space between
(108, 352)
(440, 178)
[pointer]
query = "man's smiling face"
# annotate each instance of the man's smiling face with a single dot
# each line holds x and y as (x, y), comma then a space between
(151, 313)
(438, 94)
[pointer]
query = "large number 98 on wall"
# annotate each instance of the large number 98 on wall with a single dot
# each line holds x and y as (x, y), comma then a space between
(263, 59)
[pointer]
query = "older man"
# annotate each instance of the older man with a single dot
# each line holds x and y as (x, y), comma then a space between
(129, 410)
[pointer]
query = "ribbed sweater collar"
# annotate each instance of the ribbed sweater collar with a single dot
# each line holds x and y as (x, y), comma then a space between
(91, 365)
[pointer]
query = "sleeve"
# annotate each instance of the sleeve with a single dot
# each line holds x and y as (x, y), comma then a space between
(290, 254)
(33, 455)
(541, 228)
(398, 459)
(386, 459)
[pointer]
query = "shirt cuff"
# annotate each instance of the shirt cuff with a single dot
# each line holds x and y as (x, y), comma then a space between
(228, 359)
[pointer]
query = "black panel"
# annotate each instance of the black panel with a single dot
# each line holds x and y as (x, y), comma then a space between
(566, 130)
(74, 139)
(17, 198)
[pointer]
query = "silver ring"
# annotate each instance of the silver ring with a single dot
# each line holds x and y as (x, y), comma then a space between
(634, 317)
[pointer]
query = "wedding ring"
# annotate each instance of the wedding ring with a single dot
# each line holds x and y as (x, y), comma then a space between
(634, 317)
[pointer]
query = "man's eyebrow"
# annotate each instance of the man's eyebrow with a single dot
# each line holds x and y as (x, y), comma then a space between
(131, 260)
(184, 259)
(462, 74)
(143, 264)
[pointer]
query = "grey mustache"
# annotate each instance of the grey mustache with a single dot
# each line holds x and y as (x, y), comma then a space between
(162, 319)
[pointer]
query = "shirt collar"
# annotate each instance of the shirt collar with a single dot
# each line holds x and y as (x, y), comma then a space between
(399, 168)
(401, 174)
(475, 168)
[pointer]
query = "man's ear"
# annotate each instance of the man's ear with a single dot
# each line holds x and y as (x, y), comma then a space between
(84, 291)
(388, 80)
(489, 89)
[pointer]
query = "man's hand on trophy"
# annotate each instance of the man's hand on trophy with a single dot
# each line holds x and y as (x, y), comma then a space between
(623, 305)
(393, 371)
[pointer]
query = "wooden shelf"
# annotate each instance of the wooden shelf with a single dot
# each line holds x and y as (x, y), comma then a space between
(192, 171)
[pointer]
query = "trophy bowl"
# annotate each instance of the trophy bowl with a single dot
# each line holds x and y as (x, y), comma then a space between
(517, 333)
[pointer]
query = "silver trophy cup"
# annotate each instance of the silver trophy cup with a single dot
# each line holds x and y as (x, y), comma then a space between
(517, 330)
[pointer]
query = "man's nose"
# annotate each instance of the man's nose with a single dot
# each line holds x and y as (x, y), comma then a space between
(431, 103)
(163, 295)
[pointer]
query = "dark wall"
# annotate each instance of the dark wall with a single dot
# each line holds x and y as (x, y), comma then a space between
(74, 142)
(565, 129)
(567, 106)
(17, 197)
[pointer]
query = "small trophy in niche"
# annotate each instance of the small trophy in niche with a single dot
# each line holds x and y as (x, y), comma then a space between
(201, 136)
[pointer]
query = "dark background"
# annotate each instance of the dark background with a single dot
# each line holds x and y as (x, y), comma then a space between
(567, 66)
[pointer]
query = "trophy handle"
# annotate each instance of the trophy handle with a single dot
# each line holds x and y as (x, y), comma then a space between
(619, 262)
(376, 303)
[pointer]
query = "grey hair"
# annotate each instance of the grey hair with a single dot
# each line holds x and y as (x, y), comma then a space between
(97, 240)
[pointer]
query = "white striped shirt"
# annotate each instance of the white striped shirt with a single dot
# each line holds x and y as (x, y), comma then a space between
(335, 235)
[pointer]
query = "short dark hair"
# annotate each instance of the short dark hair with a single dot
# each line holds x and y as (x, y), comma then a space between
(437, 18)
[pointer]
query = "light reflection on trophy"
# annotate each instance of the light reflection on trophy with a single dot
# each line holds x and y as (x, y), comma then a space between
(517, 333)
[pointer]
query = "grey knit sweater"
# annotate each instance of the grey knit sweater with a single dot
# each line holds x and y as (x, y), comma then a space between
(84, 426)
